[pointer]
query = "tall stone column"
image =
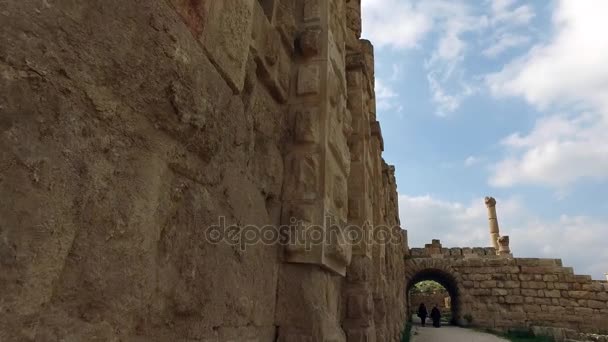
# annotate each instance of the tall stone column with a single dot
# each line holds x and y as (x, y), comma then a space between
(493, 222)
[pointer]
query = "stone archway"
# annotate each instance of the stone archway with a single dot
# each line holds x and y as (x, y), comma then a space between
(420, 270)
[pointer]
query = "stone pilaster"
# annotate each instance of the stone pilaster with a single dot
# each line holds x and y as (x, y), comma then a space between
(317, 160)
(358, 320)
(315, 196)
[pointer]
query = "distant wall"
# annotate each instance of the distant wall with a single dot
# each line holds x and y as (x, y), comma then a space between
(505, 293)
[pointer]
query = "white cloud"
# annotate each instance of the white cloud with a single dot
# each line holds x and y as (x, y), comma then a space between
(447, 102)
(503, 11)
(504, 43)
(568, 73)
(558, 152)
(385, 96)
(445, 73)
(383, 91)
(510, 27)
(465, 225)
(395, 23)
(406, 24)
(455, 223)
(571, 68)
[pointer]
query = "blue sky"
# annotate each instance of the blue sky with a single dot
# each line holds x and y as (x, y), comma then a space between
(497, 97)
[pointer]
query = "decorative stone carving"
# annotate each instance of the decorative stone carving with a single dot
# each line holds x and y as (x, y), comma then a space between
(312, 10)
(307, 125)
(308, 79)
(298, 212)
(338, 247)
(310, 42)
(377, 132)
(304, 170)
(339, 192)
(334, 89)
(297, 239)
(353, 79)
(338, 140)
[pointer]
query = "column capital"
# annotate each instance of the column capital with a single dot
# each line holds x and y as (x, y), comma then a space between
(490, 202)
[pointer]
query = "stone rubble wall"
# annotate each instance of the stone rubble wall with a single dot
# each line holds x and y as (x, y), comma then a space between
(128, 128)
(456, 253)
(512, 293)
(568, 335)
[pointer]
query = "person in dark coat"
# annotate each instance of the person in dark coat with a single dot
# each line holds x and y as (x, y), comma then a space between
(436, 316)
(422, 313)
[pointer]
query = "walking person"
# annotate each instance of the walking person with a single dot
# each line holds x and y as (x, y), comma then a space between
(436, 316)
(422, 313)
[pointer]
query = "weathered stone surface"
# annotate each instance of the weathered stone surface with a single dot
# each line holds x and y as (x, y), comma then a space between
(156, 156)
(123, 146)
(498, 296)
(226, 39)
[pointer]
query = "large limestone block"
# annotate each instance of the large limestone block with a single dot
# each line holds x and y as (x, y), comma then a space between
(272, 59)
(226, 38)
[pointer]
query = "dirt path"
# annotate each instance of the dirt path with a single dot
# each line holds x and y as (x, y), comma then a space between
(449, 333)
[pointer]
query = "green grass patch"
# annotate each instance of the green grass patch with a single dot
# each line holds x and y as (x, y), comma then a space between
(518, 335)
(526, 336)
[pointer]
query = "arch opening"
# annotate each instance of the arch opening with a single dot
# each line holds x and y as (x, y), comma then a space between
(447, 281)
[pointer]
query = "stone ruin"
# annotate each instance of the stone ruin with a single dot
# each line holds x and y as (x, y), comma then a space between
(129, 128)
(492, 289)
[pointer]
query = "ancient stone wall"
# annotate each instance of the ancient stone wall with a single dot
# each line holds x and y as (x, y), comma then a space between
(129, 128)
(503, 293)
